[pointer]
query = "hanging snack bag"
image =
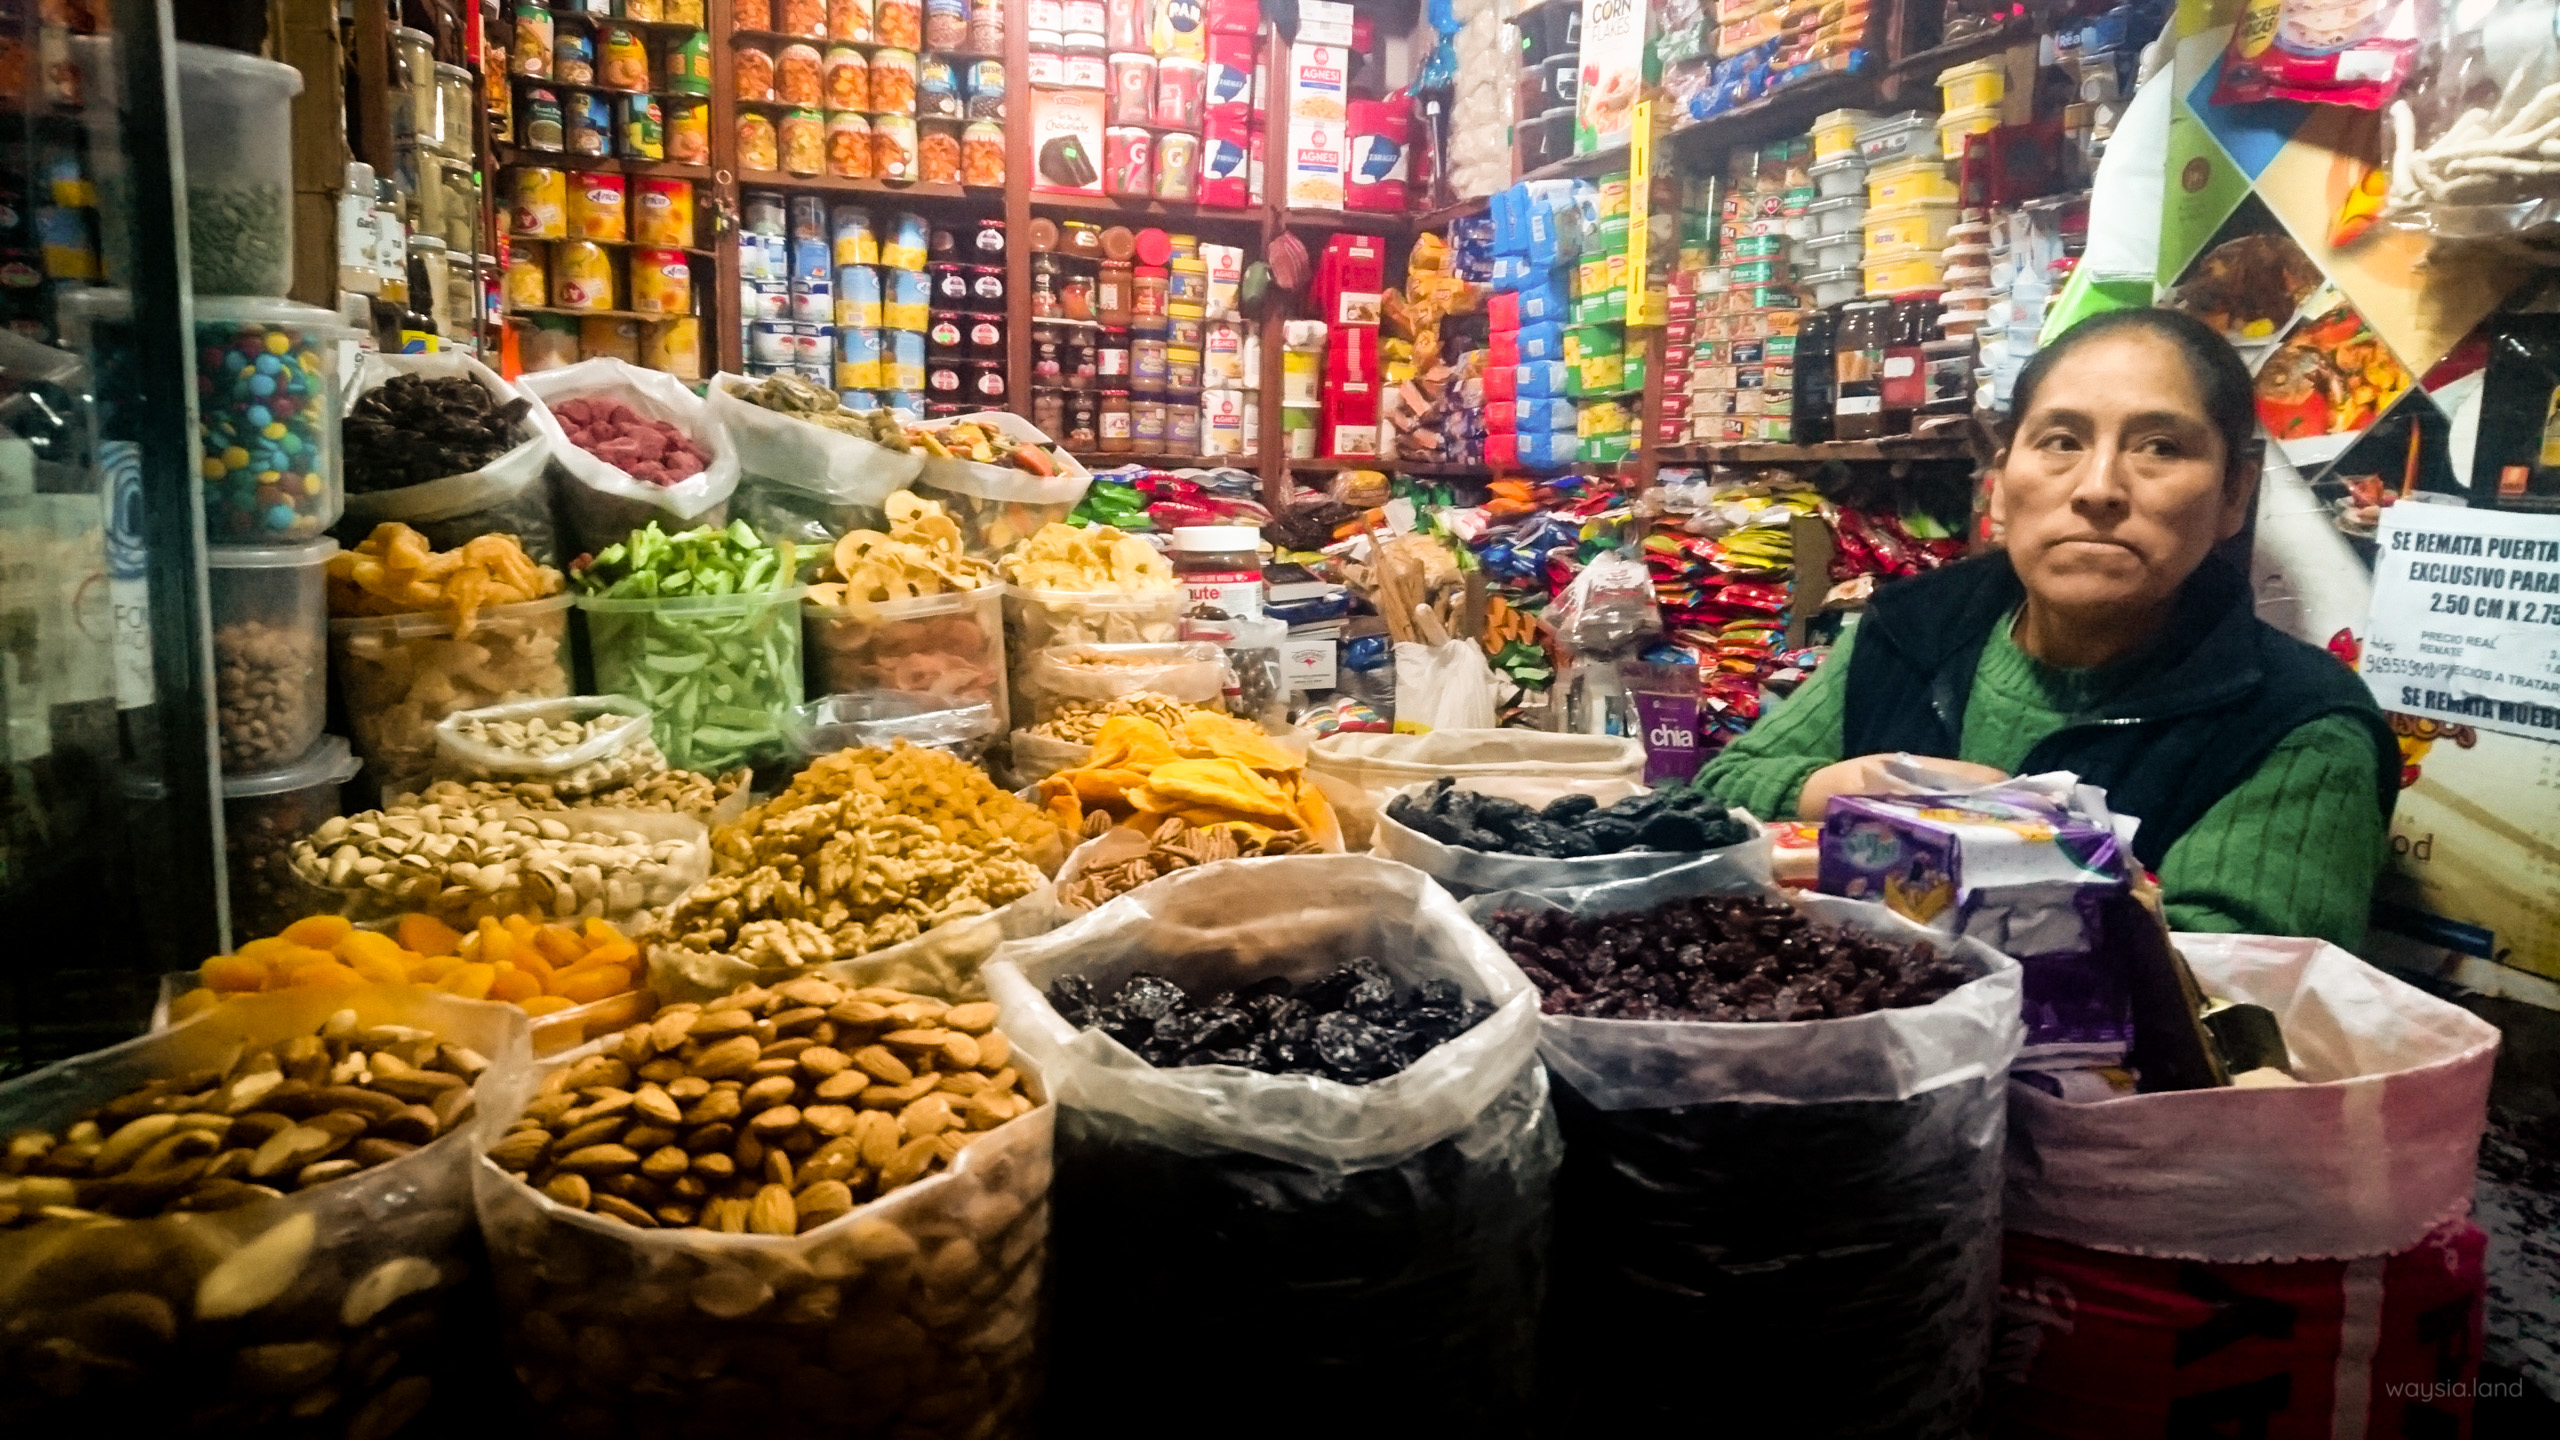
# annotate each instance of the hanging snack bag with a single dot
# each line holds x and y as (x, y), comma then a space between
(1783, 1125)
(1354, 1155)
(256, 1221)
(638, 446)
(2335, 52)
(439, 442)
(750, 1220)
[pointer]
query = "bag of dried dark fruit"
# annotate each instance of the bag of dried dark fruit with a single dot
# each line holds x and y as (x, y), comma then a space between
(441, 444)
(1537, 833)
(1304, 1152)
(1783, 1124)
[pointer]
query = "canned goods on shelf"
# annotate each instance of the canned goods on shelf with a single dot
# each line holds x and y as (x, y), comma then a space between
(541, 210)
(662, 213)
(661, 282)
(543, 126)
(938, 152)
(893, 147)
(596, 207)
(856, 243)
(759, 144)
(688, 131)
(851, 145)
(848, 79)
(982, 154)
(581, 276)
(590, 124)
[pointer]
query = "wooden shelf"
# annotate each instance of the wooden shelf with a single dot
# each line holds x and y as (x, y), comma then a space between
(849, 185)
(1973, 47)
(1435, 219)
(601, 314)
(761, 38)
(1358, 222)
(515, 239)
(1787, 110)
(1096, 460)
(1345, 462)
(547, 83)
(1577, 167)
(1130, 207)
(610, 164)
(1888, 448)
(663, 27)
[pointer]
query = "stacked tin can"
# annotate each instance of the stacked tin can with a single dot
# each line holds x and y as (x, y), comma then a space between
(838, 296)
(909, 90)
(965, 335)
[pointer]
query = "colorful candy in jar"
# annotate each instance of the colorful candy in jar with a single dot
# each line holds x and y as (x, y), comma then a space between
(267, 418)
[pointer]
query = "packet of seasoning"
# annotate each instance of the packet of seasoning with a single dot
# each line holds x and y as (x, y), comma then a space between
(441, 444)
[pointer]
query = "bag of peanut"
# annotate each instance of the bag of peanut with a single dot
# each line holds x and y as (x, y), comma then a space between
(803, 1210)
(257, 1222)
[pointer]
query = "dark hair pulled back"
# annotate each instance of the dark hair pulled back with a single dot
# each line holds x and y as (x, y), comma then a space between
(2230, 399)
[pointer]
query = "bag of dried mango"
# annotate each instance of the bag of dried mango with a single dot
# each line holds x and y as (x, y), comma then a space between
(263, 1216)
(811, 1209)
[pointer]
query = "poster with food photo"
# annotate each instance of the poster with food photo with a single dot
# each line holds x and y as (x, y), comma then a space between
(2326, 382)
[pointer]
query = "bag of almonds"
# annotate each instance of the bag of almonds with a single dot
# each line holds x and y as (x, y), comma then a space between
(1369, 1254)
(257, 1222)
(1783, 1119)
(799, 1210)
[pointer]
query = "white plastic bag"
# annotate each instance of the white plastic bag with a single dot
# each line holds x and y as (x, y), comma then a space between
(804, 482)
(915, 1314)
(459, 756)
(1443, 687)
(510, 495)
(366, 1280)
(999, 506)
(943, 962)
(1358, 770)
(2368, 1156)
(604, 505)
(1037, 757)
(1193, 672)
(1607, 608)
(1464, 872)
(1383, 1243)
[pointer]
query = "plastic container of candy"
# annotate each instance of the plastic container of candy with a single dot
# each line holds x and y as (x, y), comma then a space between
(267, 419)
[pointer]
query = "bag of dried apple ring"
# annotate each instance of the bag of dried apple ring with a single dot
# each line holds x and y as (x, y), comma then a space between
(813, 1209)
(257, 1222)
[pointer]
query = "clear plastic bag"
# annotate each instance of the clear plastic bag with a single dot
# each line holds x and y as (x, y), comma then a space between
(2474, 144)
(1381, 1245)
(604, 504)
(946, 647)
(511, 495)
(999, 506)
(1192, 672)
(1607, 608)
(615, 756)
(803, 482)
(1743, 1204)
(916, 1315)
(368, 1282)
(1035, 619)
(864, 719)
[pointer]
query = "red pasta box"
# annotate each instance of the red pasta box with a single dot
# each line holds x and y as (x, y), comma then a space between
(1349, 278)
(1501, 382)
(1502, 452)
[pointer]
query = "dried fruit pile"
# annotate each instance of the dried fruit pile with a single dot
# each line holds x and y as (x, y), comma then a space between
(471, 861)
(790, 395)
(1718, 958)
(1208, 770)
(540, 969)
(395, 571)
(411, 429)
(287, 1116)
(1570, 826)
(1352, 1025)
(1174, 845)
(1062, 557)
(653, 451)
(767, 1112)
(1078, 720)
(921, 555)
(864, 849)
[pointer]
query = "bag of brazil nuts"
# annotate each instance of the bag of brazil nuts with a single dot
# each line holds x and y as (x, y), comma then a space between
(819, 1310)
(1744, 1203)
(144, 1306)
(1288, 1252)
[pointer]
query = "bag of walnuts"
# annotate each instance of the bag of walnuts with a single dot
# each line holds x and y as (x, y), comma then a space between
(798, 1210)
(257, 1222)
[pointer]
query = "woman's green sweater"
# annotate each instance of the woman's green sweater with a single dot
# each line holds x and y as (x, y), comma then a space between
(2292, 851)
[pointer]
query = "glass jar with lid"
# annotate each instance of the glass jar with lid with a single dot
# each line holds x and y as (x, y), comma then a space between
(1147, 298)
(1219, 567)
(1146, 426)
(1113, 421)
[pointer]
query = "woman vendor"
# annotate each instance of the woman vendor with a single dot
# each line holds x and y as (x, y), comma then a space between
(2109, 639)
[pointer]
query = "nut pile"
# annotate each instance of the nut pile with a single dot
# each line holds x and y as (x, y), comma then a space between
(267, 685)
(1173, 845)
(288, 1116)
(767, 1112)
(662, 792)
(1721, 958)
(540, 969)
(477, 860)
(534, 738)
(411, 429)
(864, 849)
(1079, 720)
(1571, 826)
(1351, 1025)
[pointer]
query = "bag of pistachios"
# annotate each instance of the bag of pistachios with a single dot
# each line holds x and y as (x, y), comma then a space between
(257, 1222)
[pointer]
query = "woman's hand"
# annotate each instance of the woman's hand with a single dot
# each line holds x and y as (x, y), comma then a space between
(1864, 775)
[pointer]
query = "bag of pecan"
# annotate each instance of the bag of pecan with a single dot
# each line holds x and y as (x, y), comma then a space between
(809, 1209)
(1783, 1119)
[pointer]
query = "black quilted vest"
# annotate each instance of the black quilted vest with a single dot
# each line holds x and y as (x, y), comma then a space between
(2220, 689)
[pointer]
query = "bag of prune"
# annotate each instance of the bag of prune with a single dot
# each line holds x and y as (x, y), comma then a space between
(1256, 1253)
(1806, 1208)
(442, 463)
(1498, 834)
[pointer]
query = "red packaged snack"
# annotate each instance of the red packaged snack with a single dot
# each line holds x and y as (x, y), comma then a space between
(2331, 52)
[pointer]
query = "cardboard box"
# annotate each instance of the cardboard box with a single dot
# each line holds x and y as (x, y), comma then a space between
(1309, 664)
(1317, 110)
(1066, 141)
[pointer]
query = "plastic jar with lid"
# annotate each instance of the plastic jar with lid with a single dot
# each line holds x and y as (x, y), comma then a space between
(1083, 407)
(1219, 567)
(1075, 292)
(1147, 298)
(1044, 285)
(1049, 411)
(1076, 358)
(1187, 286)
(1181, 370)
(1147, 364)
(1146, 426)
(1111, 293)
(1182, 428)
(1112, 423)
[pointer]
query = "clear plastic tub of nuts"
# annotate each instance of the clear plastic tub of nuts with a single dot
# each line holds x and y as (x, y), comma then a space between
(263, 817)
(577, 746)
(814, 1207)
(270, 649)
(401, 674)
(255, 1223)
(463, 862)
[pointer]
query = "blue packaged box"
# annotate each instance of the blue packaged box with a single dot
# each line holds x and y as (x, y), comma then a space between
(1550, 451)
(1541, 342)
(1548, 297)
(1542, 380)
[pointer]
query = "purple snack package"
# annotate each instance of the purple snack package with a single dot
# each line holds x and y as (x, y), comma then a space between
(2026, 868)
(1666, 706)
